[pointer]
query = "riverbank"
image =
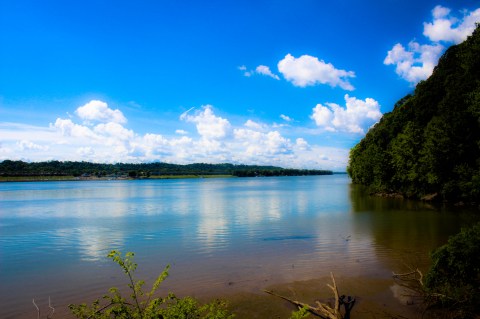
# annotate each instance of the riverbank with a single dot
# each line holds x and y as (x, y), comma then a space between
(375, 298)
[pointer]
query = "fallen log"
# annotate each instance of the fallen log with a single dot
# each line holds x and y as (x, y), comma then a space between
(323, 310)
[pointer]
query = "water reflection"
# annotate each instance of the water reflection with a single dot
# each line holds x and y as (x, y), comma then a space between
(404, 231)
(213, 225)
(247, 231)
(93, 242)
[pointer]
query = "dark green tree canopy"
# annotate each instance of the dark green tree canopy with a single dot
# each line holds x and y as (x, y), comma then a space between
(430, 142)
(144, 170)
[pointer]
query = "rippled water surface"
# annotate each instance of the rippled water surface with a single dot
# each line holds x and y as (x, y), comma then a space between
(219, 235)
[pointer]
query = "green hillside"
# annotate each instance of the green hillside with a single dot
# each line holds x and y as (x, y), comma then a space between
(10, 168)
(430, 143)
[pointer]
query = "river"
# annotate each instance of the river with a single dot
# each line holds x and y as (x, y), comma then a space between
(221, 236)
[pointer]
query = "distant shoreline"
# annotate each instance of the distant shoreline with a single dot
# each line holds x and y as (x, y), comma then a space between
(11, 179)
(7, 179)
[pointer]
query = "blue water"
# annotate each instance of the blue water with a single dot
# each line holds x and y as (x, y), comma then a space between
(220, 236)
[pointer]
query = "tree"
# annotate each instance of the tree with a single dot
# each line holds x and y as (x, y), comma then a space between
(430, 142)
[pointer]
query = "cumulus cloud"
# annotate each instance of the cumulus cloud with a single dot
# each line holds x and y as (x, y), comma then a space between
(115, 130)
(355, 117)
(68, 128)
(417, 61)
(28, 145)
(254, 125)
(98, 111)
(302, 144)
(309, 70)
(286, 118)
(257, 144)
(448, 28)
(215, 140)
(209, 126)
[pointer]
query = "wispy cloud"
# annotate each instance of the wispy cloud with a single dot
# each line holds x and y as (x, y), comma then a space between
(261, 70)
(181, 132)
(265, 70)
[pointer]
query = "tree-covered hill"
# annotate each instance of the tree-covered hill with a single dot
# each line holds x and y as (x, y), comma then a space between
(10, 168)
(430, 142)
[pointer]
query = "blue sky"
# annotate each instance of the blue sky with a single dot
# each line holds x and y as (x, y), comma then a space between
(288, 83)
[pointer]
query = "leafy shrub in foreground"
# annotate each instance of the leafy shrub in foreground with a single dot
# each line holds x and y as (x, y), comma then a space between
(142, 305)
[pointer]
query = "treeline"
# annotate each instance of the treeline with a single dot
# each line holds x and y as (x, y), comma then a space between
(10, 168)
(279, 172)
(430, 143)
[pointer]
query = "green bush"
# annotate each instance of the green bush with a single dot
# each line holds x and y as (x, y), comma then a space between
(454, 278)
(143, 305)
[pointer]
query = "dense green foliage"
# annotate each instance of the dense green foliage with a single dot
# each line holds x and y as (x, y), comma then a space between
(143, 305)
(279, 172)
(454, 278)
(430, 142)
(10, 168)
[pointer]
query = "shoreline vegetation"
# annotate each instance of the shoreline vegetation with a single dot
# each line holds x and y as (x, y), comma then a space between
(71, 178)
(428, 146)
(18, 171)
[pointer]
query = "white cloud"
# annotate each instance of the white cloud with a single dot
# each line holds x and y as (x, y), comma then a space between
(246, 73)
(440, 12)
(99, 111)
(448, 28)
(302, 144)
(181, 132)
(308, 70)
(28, 145)
(355, 117)
(265, 70)
(68, 128)
(417, 61)
(216, 140)
(256, 145)
(114, 130)
(286, 118)
(86, 152)
(208, 125)
(254, 125)
(261, 69)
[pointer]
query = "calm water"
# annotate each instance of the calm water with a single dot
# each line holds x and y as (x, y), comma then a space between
(220, 236)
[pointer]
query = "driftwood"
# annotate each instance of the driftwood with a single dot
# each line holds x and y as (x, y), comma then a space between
(323, 310)
(413, 280)
(414, 276)
(51, 312)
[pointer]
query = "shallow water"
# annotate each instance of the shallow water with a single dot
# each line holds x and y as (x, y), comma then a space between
(221, 236)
